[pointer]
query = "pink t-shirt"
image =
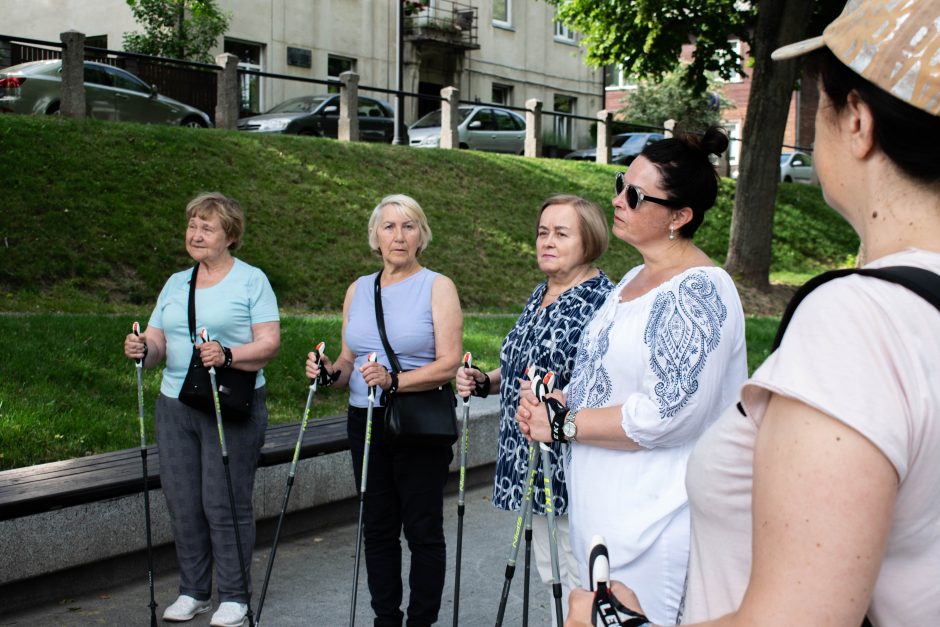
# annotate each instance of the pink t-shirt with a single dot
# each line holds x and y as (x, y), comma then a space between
(866, 352)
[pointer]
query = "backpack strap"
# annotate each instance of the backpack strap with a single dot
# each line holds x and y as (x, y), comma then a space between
(924, 283)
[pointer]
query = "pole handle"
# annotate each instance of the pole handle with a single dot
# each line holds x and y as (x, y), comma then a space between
(135, 328)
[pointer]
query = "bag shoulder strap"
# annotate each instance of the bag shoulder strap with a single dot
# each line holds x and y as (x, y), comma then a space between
(924, 283)
(380, 321)
(192, 305)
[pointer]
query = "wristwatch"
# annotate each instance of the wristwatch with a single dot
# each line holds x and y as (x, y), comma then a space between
(570, 429)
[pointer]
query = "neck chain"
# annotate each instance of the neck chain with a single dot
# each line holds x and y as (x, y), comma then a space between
(577, 281)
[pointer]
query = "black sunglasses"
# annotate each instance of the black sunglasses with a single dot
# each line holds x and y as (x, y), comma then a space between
(635, 196)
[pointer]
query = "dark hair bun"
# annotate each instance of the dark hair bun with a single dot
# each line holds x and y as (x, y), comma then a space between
(715, 141)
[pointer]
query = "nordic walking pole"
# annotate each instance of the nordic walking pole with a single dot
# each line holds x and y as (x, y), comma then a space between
(606, 607)
(541, 389)
(362, 497)
(465, 444)
(143, 460)
(525, 510)
(290, 483)
(228, 480)
(527, 569)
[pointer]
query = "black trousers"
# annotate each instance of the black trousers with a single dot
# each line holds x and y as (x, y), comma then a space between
(405, 490)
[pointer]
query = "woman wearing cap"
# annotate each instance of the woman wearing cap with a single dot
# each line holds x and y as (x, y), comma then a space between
(817, 503)
(659, 360)
(571, 233)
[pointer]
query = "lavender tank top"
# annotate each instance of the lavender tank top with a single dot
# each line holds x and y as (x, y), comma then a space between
(408, 323)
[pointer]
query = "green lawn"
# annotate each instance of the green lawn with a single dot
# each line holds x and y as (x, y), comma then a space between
(66, 389)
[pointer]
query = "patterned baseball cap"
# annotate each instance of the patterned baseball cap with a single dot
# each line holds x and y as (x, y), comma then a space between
(894, 44)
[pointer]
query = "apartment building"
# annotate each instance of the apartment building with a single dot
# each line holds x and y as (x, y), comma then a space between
(499, 51)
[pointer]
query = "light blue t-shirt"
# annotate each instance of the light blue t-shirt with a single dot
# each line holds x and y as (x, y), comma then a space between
(227, 310)
(408, 323)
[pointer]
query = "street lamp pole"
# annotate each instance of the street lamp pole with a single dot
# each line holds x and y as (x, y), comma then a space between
(400, 136)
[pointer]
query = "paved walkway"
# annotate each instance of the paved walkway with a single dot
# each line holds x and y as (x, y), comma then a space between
(310, 583)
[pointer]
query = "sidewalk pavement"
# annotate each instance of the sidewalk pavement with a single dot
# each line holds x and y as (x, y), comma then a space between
(312, 576)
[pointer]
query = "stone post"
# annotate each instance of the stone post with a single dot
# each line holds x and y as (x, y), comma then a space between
(604, 118)
(228, 98)
(533, 128)
(724, 163)
(73, 74)
(349, 107)
(449, 115)
(669, 125)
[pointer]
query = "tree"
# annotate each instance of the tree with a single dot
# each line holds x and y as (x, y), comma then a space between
(646, 37)
(178, 29)
(675, 98)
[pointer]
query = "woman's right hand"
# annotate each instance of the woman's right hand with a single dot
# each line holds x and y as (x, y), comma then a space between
(467, 379)
(313, 369)
(135, 346)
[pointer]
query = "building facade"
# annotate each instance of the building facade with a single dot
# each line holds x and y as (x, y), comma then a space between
(494, 51)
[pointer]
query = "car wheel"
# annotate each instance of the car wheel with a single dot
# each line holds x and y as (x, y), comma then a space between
(193, 122)
(787, 179)
(53, 109)
(464, 146)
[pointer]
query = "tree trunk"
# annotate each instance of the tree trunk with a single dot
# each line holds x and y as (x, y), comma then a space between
(778, 22)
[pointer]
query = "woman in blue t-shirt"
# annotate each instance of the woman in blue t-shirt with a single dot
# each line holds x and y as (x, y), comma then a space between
(237, 306)
(571, 233)
(405, 485)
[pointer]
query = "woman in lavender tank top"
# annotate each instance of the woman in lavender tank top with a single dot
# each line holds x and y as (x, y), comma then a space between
(424, 325)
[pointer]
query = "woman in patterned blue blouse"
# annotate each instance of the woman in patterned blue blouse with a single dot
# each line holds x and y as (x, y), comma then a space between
(571, 234)
(659, 361)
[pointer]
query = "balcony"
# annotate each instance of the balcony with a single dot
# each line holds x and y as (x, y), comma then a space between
(441, 22)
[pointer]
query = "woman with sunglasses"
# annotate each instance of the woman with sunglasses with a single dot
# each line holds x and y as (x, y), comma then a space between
(660, 359)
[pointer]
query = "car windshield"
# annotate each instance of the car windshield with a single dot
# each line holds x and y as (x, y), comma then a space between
(433, 119)
(633, 142)
(304, 104)
(784, 157)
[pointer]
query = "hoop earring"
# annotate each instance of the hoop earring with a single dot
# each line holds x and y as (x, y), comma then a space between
(672, 233)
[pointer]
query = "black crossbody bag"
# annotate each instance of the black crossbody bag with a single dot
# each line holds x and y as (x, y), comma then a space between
(236, 387)
(426, 418)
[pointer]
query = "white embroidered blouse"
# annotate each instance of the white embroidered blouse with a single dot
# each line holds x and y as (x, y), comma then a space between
(672, 359)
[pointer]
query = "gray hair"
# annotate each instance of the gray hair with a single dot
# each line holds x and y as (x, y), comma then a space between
(409, 208)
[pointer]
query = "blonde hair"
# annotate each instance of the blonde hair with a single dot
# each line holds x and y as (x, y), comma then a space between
(591, 221)
(409, 208)
(230, 213)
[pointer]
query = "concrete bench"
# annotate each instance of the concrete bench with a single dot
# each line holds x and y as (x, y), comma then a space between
(46, 487)
(76, 513)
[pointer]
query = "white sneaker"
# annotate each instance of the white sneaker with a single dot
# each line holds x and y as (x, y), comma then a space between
(185, 608)
(229, 614)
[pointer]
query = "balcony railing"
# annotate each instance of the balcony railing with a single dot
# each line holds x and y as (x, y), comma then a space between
(442, 21)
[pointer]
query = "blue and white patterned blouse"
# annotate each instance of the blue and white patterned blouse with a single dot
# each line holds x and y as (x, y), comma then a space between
(547, 338)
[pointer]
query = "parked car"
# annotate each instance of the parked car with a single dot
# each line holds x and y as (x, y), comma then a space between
(624, 148)
(797, 167)
(110, 94)
(478, 127)
(319, 115)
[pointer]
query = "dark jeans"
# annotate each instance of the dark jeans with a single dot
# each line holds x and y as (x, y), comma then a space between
(405, 489)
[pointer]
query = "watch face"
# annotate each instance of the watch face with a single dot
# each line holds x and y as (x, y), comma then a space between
(569, 429)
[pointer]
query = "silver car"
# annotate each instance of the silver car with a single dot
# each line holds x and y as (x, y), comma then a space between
(624, 148)
(478, 127)
(797, 167)
(110, 94)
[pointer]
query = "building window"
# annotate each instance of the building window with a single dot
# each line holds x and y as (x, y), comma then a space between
(502, 94)
(502, 12)
(97, 41)
(249, 58)
(734, 143)
(617, 79)
(736, 47)
(336, 65)
(563, 125)
(563, 33)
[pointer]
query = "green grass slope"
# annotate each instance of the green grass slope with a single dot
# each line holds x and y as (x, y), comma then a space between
(92, 213)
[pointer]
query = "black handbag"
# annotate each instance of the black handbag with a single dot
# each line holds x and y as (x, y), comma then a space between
(426, 418)
(236, 387)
